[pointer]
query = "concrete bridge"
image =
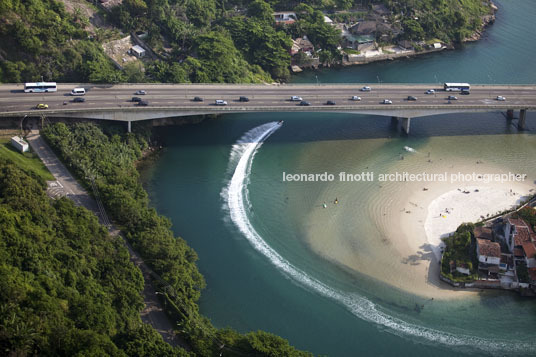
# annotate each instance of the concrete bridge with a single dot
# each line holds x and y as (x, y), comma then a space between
(114, 102)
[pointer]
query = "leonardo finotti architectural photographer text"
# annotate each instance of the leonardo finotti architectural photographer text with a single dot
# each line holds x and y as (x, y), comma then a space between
(369, 176)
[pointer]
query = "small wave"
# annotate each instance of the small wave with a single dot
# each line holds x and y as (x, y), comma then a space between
(235, 194)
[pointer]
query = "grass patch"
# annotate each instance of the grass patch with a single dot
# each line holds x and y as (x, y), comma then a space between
(432, 41)
(351, 51)
(27, 161)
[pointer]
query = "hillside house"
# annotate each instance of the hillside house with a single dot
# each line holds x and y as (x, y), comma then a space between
(517, 232)
(364, 28)
(284, 18)
(489, 256)
(529, 252)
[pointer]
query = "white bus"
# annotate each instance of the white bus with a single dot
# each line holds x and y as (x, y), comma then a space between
(457, 87)
(40, 87)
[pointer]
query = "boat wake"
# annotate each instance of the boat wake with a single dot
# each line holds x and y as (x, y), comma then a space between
(235, 195)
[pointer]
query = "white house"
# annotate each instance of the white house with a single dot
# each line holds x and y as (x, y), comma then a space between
(286, 18)
(488, 252)
(19, 143)
(138, 51)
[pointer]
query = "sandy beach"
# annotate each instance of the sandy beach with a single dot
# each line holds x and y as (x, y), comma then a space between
(399, 244)
(466, 204)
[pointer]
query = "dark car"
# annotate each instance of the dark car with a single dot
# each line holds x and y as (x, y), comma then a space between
(198, 99)
(79, 100)
(330, 102)
(466, 91)
(243, 99)
(304, 103)
(410, 97)
(452, 97)
(143, 103)
(136, 99)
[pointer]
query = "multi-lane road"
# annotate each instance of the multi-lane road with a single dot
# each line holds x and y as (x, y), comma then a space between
(13, 100)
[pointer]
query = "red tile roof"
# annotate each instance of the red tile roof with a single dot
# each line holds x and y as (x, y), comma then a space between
(489, 248)
(518, 222)
(522, 235)
(483, 233)
(530, 250)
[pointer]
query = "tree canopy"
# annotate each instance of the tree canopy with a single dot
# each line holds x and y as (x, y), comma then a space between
(66, 286)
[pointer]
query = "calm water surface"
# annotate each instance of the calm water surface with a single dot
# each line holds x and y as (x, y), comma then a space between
(285, 287)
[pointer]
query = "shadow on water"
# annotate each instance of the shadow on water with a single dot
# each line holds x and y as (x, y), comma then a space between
(309, 127)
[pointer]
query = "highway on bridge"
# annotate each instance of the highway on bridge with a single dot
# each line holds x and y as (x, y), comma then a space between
(114, 102)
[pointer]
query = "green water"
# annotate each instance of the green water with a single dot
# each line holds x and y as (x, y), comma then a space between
(350, 313)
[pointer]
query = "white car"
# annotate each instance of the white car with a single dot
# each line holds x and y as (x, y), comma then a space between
(356, 98)
(387, 101)
(430, 91)
(295, 98)
(220, 102)
(366, 89)
(78, 91)
(500, 98)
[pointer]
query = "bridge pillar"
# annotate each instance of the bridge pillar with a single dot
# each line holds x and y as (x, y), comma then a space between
(521, 121)
(510, 114)
(129, 127)
(405, 124)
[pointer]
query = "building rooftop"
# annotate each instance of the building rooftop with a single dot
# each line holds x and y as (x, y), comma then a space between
(489, 248)
(364, 28)
(19, 140)
(522, 235)
(530, 250)
(518, 222)
(287, 17)
(303, 43)
(483, 233)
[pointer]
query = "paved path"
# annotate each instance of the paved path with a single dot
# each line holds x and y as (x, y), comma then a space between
(153, 312)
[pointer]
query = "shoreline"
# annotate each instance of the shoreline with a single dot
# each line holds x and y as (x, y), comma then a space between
(448, 211)
(487, 21)
(394, 247)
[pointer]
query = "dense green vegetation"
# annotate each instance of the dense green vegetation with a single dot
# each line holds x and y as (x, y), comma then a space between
(235, 41)
(529, 215)
(460, 249)
(110, 159)
(522, 272)
(39, 38)
(450, 21)
(66, 287)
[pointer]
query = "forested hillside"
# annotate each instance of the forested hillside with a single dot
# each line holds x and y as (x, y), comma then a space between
(207, 40)
(66, 287)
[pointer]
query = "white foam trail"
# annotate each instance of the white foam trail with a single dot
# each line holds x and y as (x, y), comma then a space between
(236, 197)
